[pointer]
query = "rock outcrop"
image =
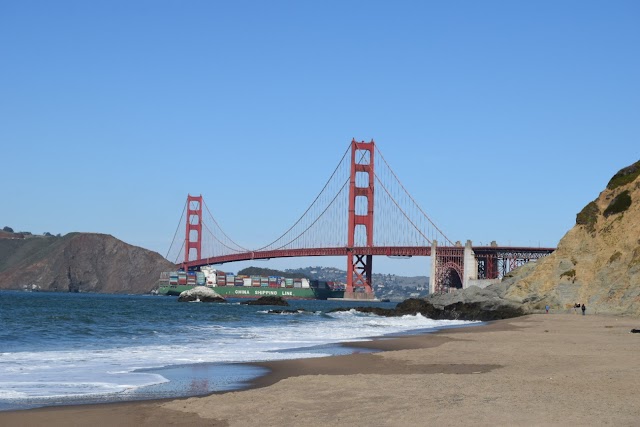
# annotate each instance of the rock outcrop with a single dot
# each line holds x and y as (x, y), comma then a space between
(285, 311)
(79, 262)
(268, 300)
(202, 294)
(597, 262)
(459, 310)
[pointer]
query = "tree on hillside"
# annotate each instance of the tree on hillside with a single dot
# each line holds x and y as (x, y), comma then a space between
(8, 229)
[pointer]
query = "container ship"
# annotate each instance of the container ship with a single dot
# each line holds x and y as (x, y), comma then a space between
(229, 285)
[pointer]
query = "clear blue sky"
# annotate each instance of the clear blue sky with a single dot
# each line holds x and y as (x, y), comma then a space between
(502, 118)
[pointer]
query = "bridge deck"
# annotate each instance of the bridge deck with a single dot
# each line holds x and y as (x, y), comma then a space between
(402, 251)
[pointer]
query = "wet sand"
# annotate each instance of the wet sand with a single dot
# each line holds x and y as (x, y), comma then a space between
(542, 369)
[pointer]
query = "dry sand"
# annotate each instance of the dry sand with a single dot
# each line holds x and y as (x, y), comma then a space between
(543, 369)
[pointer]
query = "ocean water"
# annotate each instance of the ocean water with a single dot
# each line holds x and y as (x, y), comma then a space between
(61, 348)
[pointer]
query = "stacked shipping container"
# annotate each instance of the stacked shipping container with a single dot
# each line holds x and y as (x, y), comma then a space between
(220, 278)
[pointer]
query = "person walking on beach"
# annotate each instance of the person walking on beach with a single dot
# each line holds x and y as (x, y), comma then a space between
(583, 309)
(546, 307)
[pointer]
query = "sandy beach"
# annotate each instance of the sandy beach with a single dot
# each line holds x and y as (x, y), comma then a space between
(541, 369)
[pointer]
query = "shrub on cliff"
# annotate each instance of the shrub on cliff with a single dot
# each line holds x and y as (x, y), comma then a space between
(619, 204)
(588, 216)
(570, 274)
(615, 257)
(625, 176)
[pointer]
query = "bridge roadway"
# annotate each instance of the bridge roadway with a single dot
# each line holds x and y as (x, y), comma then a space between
(401, 251)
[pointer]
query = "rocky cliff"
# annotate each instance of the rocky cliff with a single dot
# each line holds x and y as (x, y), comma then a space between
(79, 262)
(597, 262)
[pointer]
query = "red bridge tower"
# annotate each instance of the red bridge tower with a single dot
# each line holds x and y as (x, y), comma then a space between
(359, 265)
(193, 239)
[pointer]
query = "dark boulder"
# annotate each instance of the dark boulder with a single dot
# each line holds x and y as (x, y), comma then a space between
(479, 311)
(297, 311)
(268, 301)
(417, 305)
(409, 306)
(456, 311)
(372, 310)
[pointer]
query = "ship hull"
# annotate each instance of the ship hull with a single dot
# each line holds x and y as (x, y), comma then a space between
(257, 292)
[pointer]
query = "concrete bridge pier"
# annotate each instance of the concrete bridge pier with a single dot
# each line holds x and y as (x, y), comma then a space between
(469, 266)
(449, 263)
(432, 275)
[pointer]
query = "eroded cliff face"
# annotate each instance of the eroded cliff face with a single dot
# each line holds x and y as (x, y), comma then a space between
(597, 262)
(80, 262)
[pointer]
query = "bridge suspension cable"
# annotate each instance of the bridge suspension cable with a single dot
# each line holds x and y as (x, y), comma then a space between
(325, 215)
(398, 221)
(211, 240)
(172, 247)
(407, 206)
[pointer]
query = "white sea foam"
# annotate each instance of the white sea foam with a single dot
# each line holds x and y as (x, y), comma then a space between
(11, 394)
(100, 371)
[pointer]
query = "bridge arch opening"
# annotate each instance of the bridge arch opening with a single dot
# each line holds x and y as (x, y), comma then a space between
(360, 235)
(449, 277)
(363, 156)
(362, 205)
(452, 279)
(192, 254)
(362, 179)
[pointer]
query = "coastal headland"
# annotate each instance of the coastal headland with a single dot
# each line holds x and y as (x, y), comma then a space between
(540, 369)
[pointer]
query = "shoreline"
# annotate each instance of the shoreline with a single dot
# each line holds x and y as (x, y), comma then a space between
(499, 372)
(246, 374)
(278, 370)
(275, 371)
(244, 379)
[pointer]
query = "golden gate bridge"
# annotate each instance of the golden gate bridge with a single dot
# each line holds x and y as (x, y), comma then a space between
(362, 211)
